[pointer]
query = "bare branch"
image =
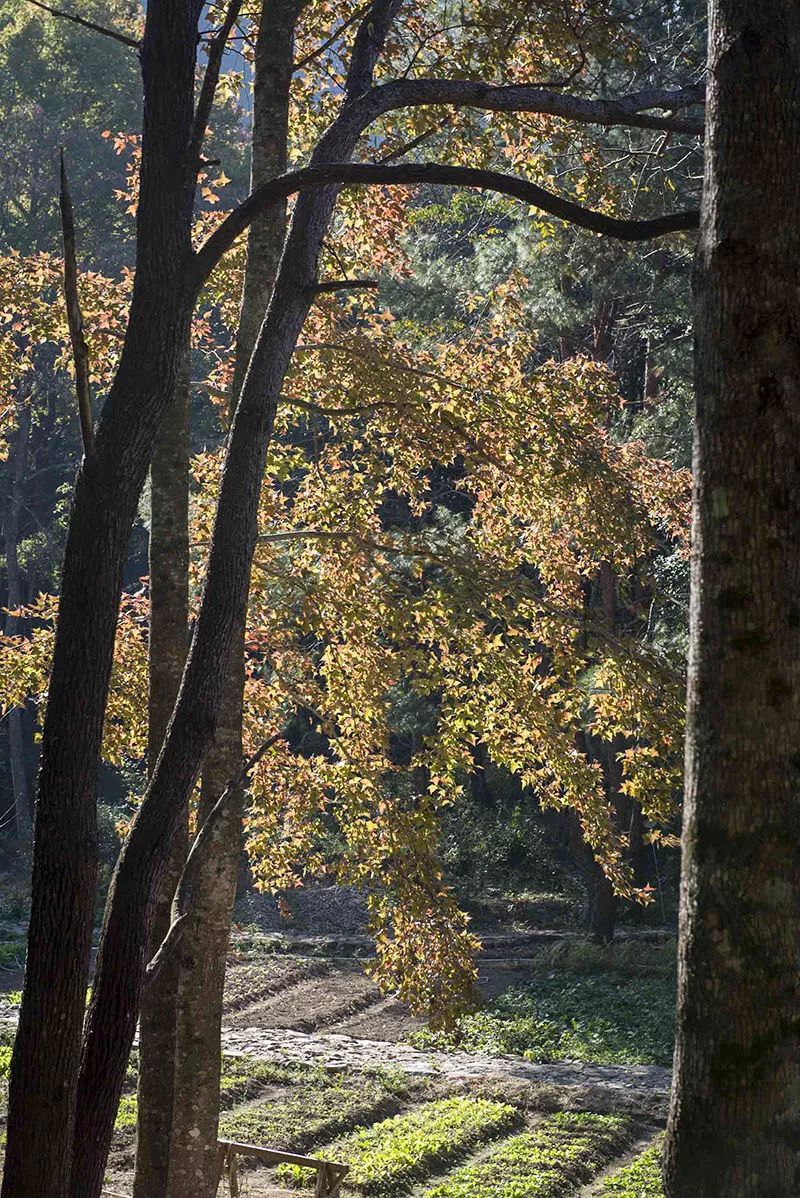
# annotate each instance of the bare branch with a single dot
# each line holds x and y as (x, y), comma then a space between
(343, 285)
(408, 146)
(80, 350)
(326, 45)
(208, 88)
(419, 174)
(122, 38)
(184, 894)
(631, 111)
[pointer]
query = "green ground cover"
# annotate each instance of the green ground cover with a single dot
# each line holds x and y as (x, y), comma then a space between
(388, 1157)
(609, 1016)
(641, 1178)
(549, 1161)
(320, 1107)
(242, 1078)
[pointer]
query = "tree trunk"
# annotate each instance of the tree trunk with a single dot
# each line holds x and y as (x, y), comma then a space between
(16, 717)
(47, 1049)
(193, 1163)
(169, 617)
(122, 953)
(734, 1127)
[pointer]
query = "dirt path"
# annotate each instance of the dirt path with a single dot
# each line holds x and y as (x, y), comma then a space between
(336, 1051)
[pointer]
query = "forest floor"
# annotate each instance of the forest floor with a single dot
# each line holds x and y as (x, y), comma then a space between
(555, 1088)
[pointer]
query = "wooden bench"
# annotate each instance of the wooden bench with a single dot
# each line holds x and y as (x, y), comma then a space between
(329, 1175)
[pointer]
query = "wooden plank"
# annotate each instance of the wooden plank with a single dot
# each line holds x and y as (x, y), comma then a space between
(275, 1156)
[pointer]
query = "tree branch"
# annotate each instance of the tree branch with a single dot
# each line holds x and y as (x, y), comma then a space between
(630, 111)
(122, 38)
(208, 88)
(184, 894)
(326, 45)
(368, 45)
(80, 350)
(421, 174)
(343, 285)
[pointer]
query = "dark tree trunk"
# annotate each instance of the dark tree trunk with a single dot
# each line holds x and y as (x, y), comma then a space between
(122, 953)
(47, 1050)
(169, 617)
(734, 1127)
(16, 717)
(601, 901)
(193, 1161)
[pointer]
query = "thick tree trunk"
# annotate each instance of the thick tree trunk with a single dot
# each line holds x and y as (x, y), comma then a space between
(169, 617)
(193, 1165)
(42, 1098)
(734, 1127)
(124, 940)
(16, 717)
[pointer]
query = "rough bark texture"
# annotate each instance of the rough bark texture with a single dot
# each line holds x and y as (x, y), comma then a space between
(47, 1050)
(734, 1129)
(124, 940)
(193, 1161)
(16, 717)
(50, 1152)
(169, 616)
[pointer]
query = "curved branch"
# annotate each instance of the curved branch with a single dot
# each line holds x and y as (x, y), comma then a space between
(416, 174)
(631, 111)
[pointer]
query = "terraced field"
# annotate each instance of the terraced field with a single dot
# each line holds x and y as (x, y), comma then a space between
(318, 1061)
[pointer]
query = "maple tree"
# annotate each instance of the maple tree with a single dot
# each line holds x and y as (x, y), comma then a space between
(167, 280)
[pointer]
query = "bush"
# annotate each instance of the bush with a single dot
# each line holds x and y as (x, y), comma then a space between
(388, 1157)
(546, 1162)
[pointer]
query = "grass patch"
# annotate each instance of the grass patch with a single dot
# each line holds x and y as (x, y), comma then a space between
(12, 952)
(641, 1178)
(566, 1015)
(546, 1162)
(243, 1078)
(126, 1113)
(319, 1107)
(5, 1059)
(389, 1156)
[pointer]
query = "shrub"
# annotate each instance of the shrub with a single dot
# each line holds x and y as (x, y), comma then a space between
(389, 1156)
(546, 1162)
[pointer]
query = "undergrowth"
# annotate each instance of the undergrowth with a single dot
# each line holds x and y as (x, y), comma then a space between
(546, 1162)
(323, 1106)
(641, 1178)
(607, 1017)
(388, 1157)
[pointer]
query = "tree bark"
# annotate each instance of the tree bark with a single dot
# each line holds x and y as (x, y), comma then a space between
(16, 717)
(734, 1126)
(122, 953)
(204, 945)
(42, 1096)
(169, 617)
